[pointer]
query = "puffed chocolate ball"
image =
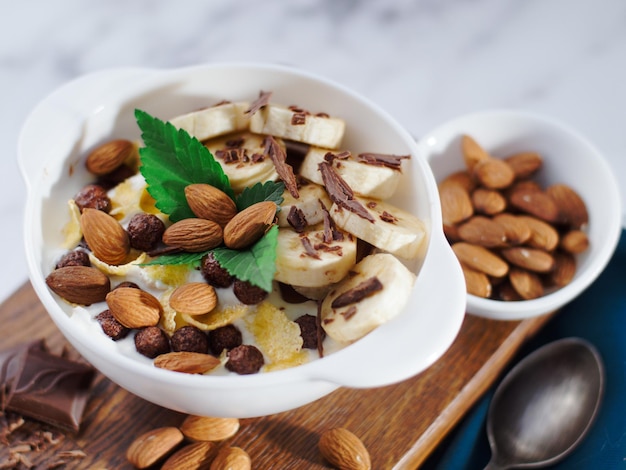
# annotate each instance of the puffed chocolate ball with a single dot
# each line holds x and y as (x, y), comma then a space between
(190, 339)
(245, 359)
(152, 341)
(145, 231)
(74, 258)
(93, 196)
(213, 272)
(225, 337)
(111, 327)
(247, 293)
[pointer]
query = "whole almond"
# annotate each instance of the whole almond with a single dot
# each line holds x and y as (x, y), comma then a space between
(542, 234)
(231, 458)
(493, 173)
(249, 225)
(208, 428)
(134, 308)
(81, 285)
(472, 152)
(575, 241)
(528, 285)
(571, 206)
(480, 230)
(187, 362)
(476, 282)
(524, 164)
(564, 269)
(506, 292)
(488, 201)
(194, 298)
(196, 456)
(193, 235)
(208, 202)
(456, 205)
(109, 156)
(532, 259)
(342, 449)
(537, 203)
(462, 178)
(480, 259)
(516, 230)
(153, 446)
(106, 238)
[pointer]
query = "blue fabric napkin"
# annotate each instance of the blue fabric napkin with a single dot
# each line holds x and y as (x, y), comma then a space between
(599, 316)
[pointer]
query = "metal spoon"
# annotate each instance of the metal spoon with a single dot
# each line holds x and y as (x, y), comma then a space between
(545, 405)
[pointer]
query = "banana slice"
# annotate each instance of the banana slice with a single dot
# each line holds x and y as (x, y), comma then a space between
(378, 182)
(393, 229)
(215, 121)
(299, 125)
(243, 159)
(308, 203)
(305, 260)
(376, 292)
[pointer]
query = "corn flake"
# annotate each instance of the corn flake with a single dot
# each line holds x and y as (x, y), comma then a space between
(218, 317)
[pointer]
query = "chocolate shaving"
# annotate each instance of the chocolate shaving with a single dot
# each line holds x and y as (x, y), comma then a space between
(257, 157)
(331, 233)
(387, 217)
(347, 314)
(358, 292)
(261, 101)
(231, 155)
(329, 249)
(308, 247)
(321, 334)
(298, 119)
(372, 204)
(380, 159)
(235, 142)
(284, 170)
(340, 193)
(296, 219)
(220, 103)
(331, 157)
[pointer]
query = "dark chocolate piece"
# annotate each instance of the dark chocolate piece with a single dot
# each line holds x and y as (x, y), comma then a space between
(284, 170)
(358, 292)
(262, 100)
(387, 217)
(296, 219)
(340, 193)
(45, 387)
(308, 247)
(380, 159)
(331, 233)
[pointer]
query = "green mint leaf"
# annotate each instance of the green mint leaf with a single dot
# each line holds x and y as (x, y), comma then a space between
(268, 191)
(172, 160)
(192, 259)
(256, 265)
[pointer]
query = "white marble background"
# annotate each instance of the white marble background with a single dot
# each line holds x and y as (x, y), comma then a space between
(424, 61)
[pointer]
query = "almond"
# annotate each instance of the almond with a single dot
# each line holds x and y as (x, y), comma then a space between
(570, 204)
(480, 230)
(193, 235)
(575, 241)
(249, 225)
(564, 269)
(542, 234)
(462, 178)
(480, 259)
(188, 362)
(524, 164)
(208, 428)
(472, 152)
(109, 156)
(506, 292)
(194, 298)
(456, 205)
(532, 259)
(106, 238)
(134, 308)
(196, 456)
(342, 449)
(231, 458)
(153, 445)
(537, 203)
(81, 285)
(208, 202)
(488, 201)
(528, 285)
(477, 283)
(493, 173)
(517, 231)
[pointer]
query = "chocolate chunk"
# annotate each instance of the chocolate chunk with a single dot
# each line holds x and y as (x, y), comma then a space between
(380, 159)
(340, 193)
(387, 217)
(298, 119)
(284, 170)
(290, 295)
(358, 292)
(331, 232)
(296, 219)
(245, 359)
(308, 248)
(308, 330)
(45, 387)
(261, 101)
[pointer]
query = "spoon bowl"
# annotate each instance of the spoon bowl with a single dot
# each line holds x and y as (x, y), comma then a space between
(545, 405)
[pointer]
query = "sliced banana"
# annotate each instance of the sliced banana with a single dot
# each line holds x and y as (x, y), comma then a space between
(393, 229)
(308, 202)
(298, 125)
(316, 266)
(347, 316)
(378, 182)
(215, 121)
(242, 157)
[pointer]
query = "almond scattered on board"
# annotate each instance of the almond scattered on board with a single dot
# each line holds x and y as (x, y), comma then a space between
(231, 458)
(152, 446)
(196, 456)
(344, 450)
(208, 428)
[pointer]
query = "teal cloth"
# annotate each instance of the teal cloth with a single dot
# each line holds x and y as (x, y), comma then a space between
(599, 316)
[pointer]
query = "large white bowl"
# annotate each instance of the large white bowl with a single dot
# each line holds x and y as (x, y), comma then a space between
(97, 107)
(568, 158)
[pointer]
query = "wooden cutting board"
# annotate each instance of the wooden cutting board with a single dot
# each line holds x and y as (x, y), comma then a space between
(400, 424)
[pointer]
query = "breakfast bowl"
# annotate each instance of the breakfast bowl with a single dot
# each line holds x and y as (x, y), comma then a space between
(97, 108)
(568, 159)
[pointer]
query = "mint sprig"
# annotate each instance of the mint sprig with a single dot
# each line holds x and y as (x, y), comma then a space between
(268, 191)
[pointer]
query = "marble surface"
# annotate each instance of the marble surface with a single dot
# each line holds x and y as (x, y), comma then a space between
(424, 61)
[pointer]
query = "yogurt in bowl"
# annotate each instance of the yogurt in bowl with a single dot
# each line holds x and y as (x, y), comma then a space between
(97, 108)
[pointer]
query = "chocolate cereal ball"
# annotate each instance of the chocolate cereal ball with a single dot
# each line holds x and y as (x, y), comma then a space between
(225, 337)
(190, 339)
(93, 196)
(152, 341)
(74, 258)
(111, 327)
(145, 231)
(247, 293)
(245, 359)
(213, 272)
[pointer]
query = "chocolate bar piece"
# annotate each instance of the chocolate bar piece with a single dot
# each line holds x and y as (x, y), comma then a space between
(45, 387)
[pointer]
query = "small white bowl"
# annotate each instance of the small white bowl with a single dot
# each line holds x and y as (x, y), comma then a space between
(568, 158)
(97, 107)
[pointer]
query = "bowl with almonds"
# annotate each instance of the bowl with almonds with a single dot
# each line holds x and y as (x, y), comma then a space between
(236, 239)
(530, 208)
